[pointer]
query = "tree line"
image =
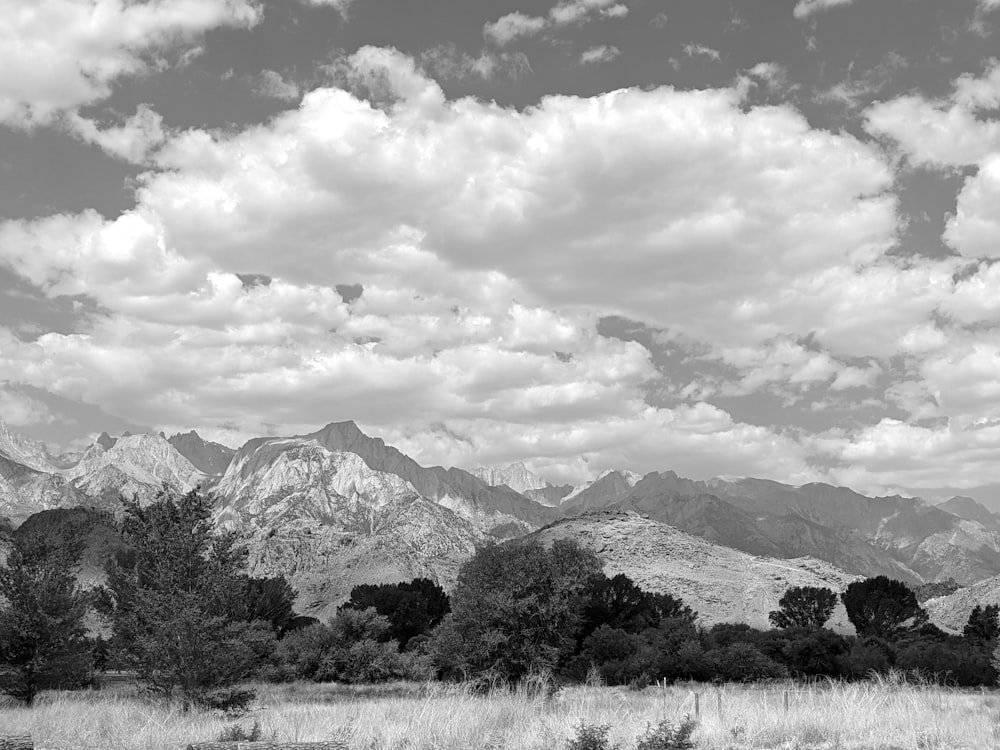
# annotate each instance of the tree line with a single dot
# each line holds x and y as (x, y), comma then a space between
(180, 612)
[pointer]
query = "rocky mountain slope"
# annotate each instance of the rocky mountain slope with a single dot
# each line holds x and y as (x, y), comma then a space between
(969, 510)
(499, 511)
(328, 521)
(211, 459)
(31, 453)
(517, 477)
(720, 583)
(24, 491)
(137, 465)
(952, 612)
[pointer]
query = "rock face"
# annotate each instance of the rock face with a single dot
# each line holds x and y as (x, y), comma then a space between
(499, 511)
(721, 584)
(24, 491)
(27, 452)
(603, 492)
(952, 612)
(137, 465)
(207, 457)
(328, 521)
(970, 510)
(516, 476)
(274, 481)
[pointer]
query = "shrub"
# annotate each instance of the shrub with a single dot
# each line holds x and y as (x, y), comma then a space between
(591, 737)
(666, 736)
(741, 662)
(236, 733)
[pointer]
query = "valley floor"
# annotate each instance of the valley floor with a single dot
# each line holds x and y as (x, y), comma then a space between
(863, 715)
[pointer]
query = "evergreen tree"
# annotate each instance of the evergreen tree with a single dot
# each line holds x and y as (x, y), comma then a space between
(43, 642)
(882, 608)
(169, 597)
(804, 607)
(983, 624)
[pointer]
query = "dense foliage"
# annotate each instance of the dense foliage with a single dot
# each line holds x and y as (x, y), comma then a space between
(171, 596)
(186, 617)
(43, 642)
(412, 608)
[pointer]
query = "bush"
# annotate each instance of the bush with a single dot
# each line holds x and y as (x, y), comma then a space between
(741, 662)
(591, 737)
(236, 733)
(665, 736)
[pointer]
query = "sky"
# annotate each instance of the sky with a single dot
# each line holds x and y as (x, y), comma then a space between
(741, 238)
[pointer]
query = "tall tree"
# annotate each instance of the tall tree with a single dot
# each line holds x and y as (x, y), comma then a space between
(518, 606)
(882, 607)
(983, 624)
(412, 608)
(169, 598)
(43, 641)
(804, 607)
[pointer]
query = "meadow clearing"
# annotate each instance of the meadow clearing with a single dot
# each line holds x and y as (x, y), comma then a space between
(869, 715)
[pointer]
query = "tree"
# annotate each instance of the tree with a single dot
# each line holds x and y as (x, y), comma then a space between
(983, 624)
(169, 597)
(518, 606)
(43, 642)
(620, 604)
(882, 608)
(267, 599)
(412, 608)
(804, 607)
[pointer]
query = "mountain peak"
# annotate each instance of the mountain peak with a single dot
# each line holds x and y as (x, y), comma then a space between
(208, 457)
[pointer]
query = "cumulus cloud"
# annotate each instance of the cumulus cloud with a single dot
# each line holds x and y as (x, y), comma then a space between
(18, 409)
(486, 243)
(948, 132)
(270, 83)
(447, 62)
(57, 55)
(132, 141)
(511, 27)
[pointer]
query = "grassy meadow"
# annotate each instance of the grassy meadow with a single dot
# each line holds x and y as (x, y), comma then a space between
(438, 717)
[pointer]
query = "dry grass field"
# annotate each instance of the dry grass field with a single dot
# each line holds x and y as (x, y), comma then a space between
(866, 715)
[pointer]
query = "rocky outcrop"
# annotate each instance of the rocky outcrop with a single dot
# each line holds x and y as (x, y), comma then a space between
(516, 476)
(952, 612)
(408, 539)
(135, 466)
(31, 453)
(968, 509)
(720, 583)
(207, 457)
(604, 492)
(279, 480)
(24, 491)
(499, 511)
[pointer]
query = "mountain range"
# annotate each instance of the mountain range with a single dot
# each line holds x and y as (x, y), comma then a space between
(336, 507)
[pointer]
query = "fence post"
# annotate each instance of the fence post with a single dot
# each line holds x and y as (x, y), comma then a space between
(786, 701)
(697, 705)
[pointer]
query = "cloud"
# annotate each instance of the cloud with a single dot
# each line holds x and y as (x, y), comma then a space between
(57, 55)
(511, 27)
(447, 62)
(270, 83)
(602, 53)
(948, 132)
(341, 6)
(805, 8)
(18, 409)
(483, 244)
(133, 141)
(693, 50)
(517, 25)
